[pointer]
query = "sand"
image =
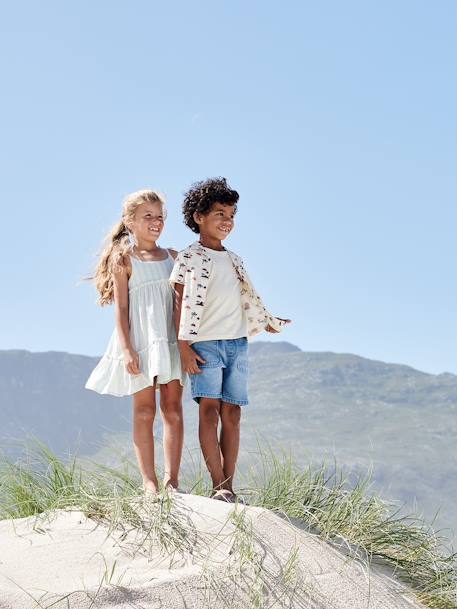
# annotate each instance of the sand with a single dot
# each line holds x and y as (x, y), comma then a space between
(233, 557)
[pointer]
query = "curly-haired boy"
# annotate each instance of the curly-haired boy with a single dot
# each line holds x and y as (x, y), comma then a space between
(217, 308)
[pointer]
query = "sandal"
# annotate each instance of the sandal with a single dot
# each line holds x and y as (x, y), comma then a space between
(224, 494)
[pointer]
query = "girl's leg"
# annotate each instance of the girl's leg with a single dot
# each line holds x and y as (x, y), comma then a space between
(144, 409)
(173, 430)
(207, 430)
(230, 441)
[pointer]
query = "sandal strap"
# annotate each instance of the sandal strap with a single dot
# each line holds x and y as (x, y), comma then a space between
(224, 494)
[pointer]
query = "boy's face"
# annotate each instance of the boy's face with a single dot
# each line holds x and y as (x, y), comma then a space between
(217, 223)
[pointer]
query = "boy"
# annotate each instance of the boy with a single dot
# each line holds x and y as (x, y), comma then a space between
(217, 308)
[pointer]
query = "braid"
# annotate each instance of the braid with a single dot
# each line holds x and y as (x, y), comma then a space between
(111, 260)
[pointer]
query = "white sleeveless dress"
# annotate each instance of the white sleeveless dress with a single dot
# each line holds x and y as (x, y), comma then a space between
(152, 334)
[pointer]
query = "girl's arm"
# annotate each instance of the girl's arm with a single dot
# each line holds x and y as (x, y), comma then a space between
(121, 310)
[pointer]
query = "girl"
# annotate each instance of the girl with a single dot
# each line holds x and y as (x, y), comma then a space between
(142, 354)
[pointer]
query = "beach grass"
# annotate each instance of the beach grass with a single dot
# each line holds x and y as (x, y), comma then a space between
(342, 510)
(352, 516)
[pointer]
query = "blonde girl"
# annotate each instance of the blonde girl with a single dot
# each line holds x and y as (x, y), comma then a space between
(142, 355)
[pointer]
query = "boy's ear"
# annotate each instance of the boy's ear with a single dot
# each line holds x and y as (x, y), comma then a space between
(196, 217)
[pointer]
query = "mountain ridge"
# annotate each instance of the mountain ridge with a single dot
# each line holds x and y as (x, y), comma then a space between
(397, 420)
(254, 350)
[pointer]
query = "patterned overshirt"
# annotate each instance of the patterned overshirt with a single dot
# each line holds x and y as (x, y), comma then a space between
(193, 267)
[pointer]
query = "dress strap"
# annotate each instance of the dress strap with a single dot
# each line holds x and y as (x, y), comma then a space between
(132, 257)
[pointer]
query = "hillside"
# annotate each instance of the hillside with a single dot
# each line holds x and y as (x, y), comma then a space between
(364, 412)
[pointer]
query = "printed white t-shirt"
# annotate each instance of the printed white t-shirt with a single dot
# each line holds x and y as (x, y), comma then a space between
(223, 316)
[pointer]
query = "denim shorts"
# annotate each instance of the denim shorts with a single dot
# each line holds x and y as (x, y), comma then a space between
(224, 374)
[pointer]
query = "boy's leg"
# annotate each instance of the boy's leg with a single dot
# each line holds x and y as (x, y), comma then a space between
(235, 397)
(230, 441)
(173, 430)
(144, 409)
(209, 419)
(206, 389)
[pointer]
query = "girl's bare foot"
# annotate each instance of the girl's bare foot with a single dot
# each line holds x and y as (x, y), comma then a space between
(172, 486)
(151, 487)
(150, 494)
(170, 483)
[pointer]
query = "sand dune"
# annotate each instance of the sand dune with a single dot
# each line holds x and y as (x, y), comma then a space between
(217, 556)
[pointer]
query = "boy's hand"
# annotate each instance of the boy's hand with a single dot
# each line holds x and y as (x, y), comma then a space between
(189, 359)
(132, 361)
(272, 330)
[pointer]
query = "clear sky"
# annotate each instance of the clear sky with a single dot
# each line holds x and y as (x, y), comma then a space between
(335, 121)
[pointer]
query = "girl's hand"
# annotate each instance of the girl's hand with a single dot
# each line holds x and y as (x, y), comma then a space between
(132, 361)
(189, 359)
(272, 330)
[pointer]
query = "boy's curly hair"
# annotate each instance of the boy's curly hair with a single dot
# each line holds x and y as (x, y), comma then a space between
(203, 195)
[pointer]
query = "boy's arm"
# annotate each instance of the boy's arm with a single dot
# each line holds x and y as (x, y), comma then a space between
(281, 321)
(274, 324)
(188, 356)
(179, 289)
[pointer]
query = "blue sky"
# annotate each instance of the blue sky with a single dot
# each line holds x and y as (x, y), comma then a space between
(336, 122)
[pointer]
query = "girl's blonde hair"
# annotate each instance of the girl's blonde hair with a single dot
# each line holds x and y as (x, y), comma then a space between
(118, 244)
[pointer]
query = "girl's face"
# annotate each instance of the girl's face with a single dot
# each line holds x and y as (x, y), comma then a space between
(147, 223)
